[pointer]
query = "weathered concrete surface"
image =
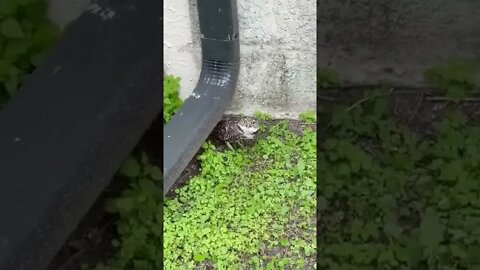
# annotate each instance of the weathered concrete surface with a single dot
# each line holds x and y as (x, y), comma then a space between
(395, 40)
(366, 41)
(278, 53)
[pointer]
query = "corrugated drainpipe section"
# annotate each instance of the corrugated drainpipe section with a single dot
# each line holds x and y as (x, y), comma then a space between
(203, 109)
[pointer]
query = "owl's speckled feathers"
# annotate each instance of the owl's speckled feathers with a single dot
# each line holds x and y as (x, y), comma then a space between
(236, 129)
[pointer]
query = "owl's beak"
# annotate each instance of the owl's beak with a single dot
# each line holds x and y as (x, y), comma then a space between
(251, 130)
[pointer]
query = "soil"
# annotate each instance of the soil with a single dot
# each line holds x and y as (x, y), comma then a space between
(416, 108)
(90, 242)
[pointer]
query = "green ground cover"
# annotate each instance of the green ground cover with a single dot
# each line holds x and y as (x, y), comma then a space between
(26, 35)
(251, 208)
(393, 199)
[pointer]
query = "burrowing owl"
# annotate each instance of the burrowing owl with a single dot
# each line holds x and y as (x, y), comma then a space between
(236, 130)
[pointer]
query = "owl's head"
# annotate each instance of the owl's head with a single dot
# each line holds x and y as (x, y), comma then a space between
(248, 126)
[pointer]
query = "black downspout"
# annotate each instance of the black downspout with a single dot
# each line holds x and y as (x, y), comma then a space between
(74, 121)
(191, 125)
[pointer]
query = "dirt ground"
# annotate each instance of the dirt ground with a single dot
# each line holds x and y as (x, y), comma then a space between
(416, 108)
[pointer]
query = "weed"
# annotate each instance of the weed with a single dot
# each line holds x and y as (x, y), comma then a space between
(140, 206)
(248, 208)
(245, 205)
(262, 116)
(308, 116)
(26, 35)
(456, 79)
(171, 97)
(139, 226)
(390, 199)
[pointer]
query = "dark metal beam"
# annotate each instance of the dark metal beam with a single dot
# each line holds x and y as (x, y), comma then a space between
(74, 121)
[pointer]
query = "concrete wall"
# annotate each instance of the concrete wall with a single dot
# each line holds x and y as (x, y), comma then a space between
(366, 41)
(395, 40)
(278, 53)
